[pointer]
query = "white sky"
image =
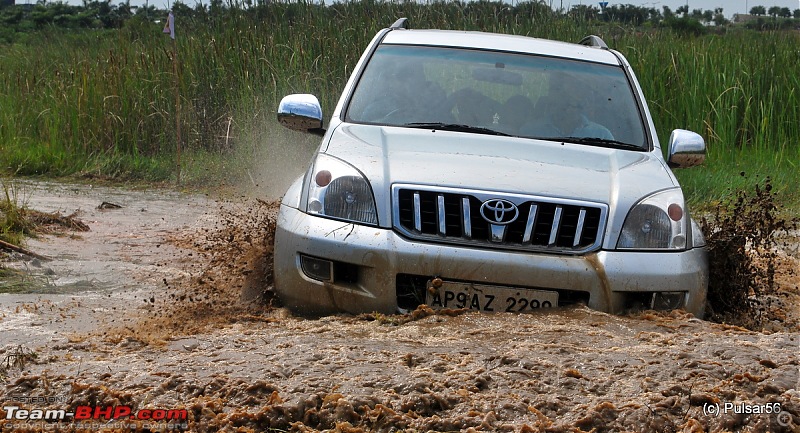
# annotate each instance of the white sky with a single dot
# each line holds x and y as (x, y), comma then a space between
(729, 7)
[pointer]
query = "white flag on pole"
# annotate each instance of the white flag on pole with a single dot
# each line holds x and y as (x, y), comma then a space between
(169, 27)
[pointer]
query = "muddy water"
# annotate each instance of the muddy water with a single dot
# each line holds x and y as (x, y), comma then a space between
(189, 339)
(97, 277)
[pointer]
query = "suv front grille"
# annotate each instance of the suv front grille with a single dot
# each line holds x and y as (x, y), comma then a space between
(448, 215)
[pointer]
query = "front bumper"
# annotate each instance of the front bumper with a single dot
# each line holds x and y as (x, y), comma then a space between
(369, 262)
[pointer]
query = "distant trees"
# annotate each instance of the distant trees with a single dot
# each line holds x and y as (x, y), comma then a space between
(775, 12)
(632, 14)
(719, 18)
(585, 12)
(681, 19)
(102, 14)
(93, 14)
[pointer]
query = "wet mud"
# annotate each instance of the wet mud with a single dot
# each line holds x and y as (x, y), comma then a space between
(170, 308)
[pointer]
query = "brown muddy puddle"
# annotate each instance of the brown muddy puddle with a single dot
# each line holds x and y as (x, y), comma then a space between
(153, 308)
(95, 277)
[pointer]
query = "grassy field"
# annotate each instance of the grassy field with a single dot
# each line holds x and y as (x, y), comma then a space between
(102, 103)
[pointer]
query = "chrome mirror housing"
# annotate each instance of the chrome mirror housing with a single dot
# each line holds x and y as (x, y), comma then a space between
(301, 112)
(686, 149)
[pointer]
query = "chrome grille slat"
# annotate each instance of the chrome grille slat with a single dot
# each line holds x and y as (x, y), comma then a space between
(417, 213)
(579, 228)
(453, 216)
(555, 226)
(526, 238)
(441, 215)
(467, 218)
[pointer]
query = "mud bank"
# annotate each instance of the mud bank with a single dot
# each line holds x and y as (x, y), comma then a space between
(174, 320)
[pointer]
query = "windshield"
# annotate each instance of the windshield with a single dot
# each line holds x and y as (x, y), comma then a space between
(514, 94)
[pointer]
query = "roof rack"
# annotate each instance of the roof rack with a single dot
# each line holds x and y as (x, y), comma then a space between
(402, 23)
(593, 41)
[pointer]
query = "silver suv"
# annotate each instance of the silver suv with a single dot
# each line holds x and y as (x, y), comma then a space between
(489, 172)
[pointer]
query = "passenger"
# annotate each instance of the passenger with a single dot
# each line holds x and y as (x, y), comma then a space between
(564, 112)
(515, 113)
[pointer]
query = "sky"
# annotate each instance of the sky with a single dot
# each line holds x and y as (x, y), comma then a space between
(729, 7)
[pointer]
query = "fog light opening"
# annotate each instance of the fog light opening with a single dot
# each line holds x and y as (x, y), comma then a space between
(314, 206)
(317, 269)
(668, 300)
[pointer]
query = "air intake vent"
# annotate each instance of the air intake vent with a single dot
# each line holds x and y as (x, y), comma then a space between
(508, 221)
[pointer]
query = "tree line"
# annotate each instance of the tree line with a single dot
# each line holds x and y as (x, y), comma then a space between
(101, 14)
(775, 11)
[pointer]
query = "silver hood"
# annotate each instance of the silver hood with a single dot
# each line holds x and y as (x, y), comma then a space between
(388, 155)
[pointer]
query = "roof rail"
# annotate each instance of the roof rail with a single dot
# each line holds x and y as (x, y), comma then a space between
(593, 41)
(402, 23)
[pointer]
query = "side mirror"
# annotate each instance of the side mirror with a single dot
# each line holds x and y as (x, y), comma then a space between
(686, 149)
(301, 112)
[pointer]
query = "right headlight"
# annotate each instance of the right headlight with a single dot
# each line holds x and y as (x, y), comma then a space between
(658, 222)
(338, 190)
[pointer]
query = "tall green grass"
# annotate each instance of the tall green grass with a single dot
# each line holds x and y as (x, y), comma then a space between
(739, 90)
(103, 102)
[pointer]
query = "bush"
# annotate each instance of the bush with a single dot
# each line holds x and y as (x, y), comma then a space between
(686, 26)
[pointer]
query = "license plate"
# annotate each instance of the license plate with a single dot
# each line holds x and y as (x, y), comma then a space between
(488, 298)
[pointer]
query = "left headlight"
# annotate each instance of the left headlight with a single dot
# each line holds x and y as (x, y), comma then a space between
(338, 190)
(658, 222)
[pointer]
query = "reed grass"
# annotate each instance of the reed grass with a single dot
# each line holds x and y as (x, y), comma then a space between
(103, 102)
(13, 224)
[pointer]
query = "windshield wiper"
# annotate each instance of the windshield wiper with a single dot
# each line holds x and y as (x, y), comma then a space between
(455, 127)
(593, 141)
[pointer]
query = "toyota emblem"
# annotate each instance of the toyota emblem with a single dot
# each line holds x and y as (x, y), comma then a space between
(499, 211)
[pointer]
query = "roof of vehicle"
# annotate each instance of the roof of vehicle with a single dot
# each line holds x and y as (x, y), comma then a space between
(500, 42)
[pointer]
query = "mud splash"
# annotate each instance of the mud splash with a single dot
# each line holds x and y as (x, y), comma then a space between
(200, 334)
(750, 245)
(232, 282)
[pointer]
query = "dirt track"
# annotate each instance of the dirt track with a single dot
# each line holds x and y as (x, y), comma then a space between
(152, 308)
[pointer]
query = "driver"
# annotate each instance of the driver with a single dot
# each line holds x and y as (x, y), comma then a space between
(564, 112)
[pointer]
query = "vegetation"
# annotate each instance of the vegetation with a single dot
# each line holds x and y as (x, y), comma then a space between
(91, 90)
(13, 224)
(17, 358)
(17, 221)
